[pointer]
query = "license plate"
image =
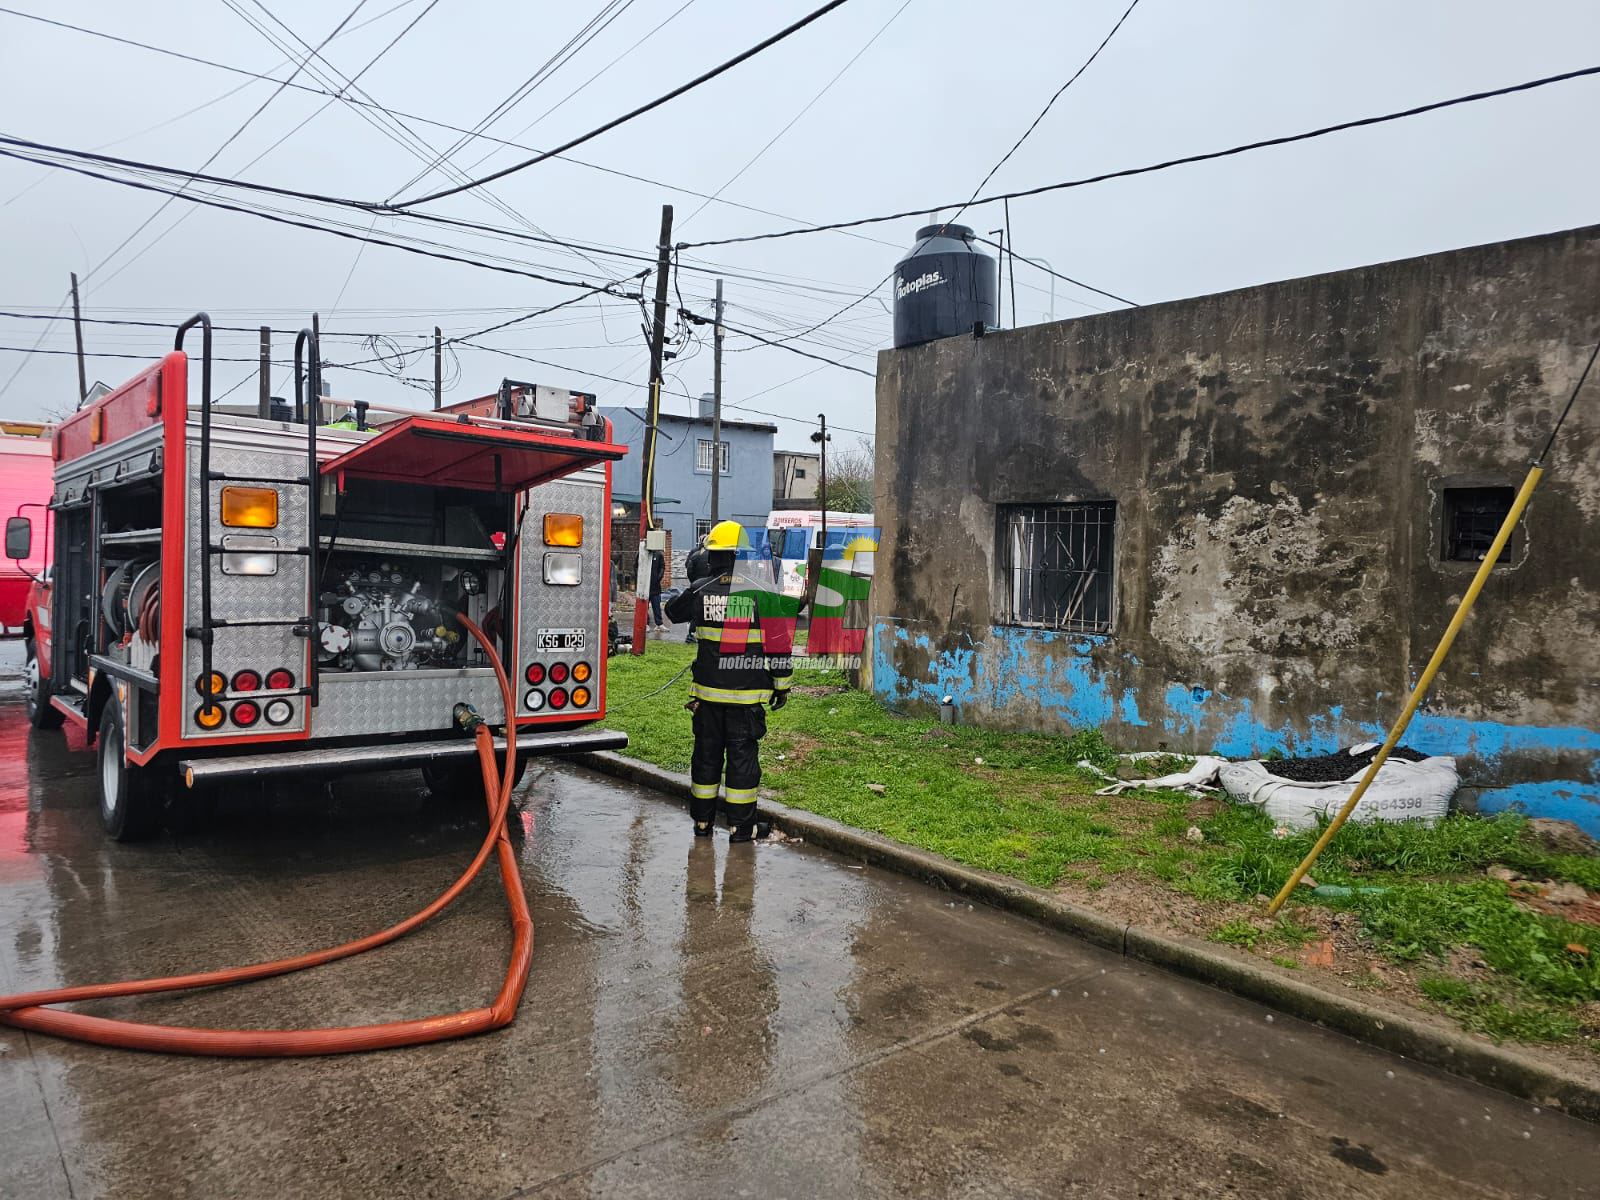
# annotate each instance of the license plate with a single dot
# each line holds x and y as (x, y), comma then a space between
(562, 639)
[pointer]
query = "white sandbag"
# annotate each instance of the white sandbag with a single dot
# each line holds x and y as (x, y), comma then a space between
(1403, 791)
(1198, 777)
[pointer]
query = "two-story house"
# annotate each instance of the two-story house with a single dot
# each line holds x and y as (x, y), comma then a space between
(685, 454)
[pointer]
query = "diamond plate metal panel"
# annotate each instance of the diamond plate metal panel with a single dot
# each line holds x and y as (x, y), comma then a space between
(371, 702)
(235, 597)
(546, 606)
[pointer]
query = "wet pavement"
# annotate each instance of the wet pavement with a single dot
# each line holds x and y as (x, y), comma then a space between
(703, 1020)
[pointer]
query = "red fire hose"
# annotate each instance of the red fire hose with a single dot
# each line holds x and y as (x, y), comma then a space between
(27, 1010)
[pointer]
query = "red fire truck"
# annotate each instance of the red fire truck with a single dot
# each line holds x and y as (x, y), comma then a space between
(232, 596)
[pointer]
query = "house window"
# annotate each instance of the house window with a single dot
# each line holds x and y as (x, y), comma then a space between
(702, 527)
(703, 459)
(1059, 565)
(799, 472)
(1472, 516)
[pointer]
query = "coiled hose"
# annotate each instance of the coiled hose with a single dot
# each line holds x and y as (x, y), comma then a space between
(28, 1010)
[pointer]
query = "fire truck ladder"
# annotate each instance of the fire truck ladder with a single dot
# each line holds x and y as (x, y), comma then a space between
(304, 626)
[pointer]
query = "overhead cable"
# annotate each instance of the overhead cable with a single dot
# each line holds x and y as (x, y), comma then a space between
(637, 112)
(1186, 160)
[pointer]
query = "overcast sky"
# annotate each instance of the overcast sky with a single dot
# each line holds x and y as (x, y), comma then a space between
(916, 120)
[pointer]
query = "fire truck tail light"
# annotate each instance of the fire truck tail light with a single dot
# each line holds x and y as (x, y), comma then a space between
(209, 716)
(97, 426)
(563, 570)
(558, 672)
(535, 673)
(563, 529)
(246, 681)
(580, 673)
(278, 712)
(251, 507)
(246, 713)
(558, 697)
(580, 697)
(534, 700)
(219, 684)
(280, 680)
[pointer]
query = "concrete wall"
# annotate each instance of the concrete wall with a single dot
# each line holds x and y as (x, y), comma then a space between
(1277, 456)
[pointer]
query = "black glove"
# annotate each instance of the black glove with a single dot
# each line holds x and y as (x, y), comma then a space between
(779, 699)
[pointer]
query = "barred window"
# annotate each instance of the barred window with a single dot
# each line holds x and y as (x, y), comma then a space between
(703, 459)
(702, 527)
(1059, 562)
(1472, 517)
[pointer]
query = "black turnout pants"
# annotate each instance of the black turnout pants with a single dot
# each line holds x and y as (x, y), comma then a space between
(731, 733)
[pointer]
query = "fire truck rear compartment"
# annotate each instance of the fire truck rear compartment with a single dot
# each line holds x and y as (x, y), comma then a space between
(397, 564)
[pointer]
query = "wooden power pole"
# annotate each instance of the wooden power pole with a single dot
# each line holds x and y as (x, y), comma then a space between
(647, 460)
(77, 329)
(438, 369)
(264, 392)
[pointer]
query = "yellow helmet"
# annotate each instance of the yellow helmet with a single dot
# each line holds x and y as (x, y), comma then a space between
(726, 535)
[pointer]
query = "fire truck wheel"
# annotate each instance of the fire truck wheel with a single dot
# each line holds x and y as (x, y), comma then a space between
(130, 796)
(462, 782)
(41, 713)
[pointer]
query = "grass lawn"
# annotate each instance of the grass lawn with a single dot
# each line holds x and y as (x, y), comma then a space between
(1441, 934)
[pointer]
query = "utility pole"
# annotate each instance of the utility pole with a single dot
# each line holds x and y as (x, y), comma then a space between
(77, 329)
(716, 405)
(264, 394)
(438, 370)
(814, 561)
(647, 460)
(316, 349)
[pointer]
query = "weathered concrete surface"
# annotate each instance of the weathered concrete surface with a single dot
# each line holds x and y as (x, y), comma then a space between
(1544, 1079)
(1277, 456)
(703, 1020)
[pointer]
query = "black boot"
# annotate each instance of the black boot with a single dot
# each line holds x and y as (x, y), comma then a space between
(744, 831)
(702, 829)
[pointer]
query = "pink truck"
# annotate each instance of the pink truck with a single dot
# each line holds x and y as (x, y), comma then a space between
(25, 487)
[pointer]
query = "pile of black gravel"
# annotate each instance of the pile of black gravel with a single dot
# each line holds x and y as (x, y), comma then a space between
(1331, 768)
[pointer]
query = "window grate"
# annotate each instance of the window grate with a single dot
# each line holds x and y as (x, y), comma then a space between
(1472, 517)
(703, 459)
(1059, 564)
(702, 528)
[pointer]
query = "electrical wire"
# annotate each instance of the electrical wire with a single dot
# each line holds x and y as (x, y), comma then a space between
(283, 220)
(228, 141)
(314, 52)
(408, 116)
(696, 319)
(826, 88)
(596, 24)
(637, 112)
(1088, 287)
(1167, 164)
(1060, 91)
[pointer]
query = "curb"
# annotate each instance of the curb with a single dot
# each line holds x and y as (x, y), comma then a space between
(1452, 1051)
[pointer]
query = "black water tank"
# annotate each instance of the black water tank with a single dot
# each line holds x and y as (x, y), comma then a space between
(944, 286)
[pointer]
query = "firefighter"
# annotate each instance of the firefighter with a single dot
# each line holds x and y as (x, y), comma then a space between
(735, 675)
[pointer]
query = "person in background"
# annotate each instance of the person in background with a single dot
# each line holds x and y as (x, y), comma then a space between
(658, 573)
(697, 566)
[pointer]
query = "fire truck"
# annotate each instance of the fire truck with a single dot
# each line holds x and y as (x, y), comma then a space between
(234, 595)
